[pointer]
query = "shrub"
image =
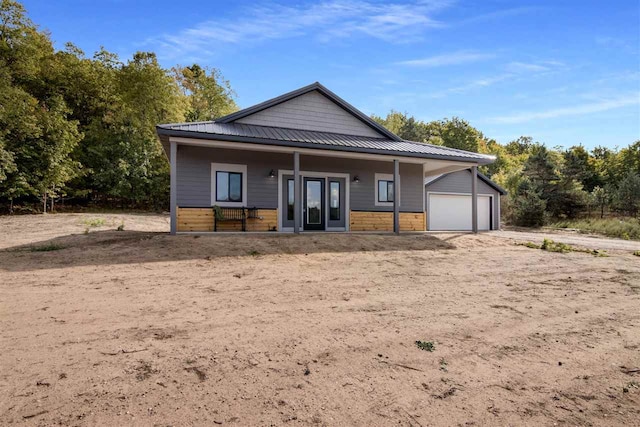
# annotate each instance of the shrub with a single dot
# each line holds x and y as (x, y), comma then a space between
(426, 345)
(551, 246)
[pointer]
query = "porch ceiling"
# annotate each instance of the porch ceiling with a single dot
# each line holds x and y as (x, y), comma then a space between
(439, 167)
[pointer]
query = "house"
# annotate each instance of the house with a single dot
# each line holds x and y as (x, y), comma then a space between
(448, 202)
(306, 160)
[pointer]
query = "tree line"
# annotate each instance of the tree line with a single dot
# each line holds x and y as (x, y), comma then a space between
(82, 129)
(73, 127)
(543, 184)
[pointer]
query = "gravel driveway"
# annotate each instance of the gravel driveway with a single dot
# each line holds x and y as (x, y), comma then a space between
(587, 241)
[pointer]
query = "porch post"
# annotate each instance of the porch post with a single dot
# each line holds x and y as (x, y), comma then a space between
(396, 196)
(474, 199)
(296, 192)
(173, 184)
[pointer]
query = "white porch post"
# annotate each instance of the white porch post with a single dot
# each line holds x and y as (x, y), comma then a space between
(296, 192)
(173, 184)
(474, 199)
(396, 196)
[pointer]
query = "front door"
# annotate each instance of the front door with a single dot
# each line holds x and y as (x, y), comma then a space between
(313, 212)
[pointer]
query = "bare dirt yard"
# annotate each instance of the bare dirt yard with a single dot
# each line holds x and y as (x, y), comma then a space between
(136, 327)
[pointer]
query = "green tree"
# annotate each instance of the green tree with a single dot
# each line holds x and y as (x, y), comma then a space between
(37, 137)
(527, 206)
(601, 199)
(127, 160)
(579, 165)
(455, 133)
(406, 127)
(208, 94)
(627, 195)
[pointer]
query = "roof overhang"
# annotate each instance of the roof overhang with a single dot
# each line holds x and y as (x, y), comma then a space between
(261, 144)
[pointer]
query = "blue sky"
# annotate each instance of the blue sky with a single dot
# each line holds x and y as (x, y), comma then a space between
(563, 72)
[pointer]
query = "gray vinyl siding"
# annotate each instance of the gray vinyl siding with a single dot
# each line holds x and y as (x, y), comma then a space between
(194, 174)
(460, 182)
(194, 177)
(311, 111)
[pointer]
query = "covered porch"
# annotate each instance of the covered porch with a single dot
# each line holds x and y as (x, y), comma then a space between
(297, 189)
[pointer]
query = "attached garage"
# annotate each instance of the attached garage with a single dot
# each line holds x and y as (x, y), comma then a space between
(448, 202)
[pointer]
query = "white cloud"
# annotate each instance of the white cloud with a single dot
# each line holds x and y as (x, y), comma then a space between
(576, 110)
(474, 84)
(513, 71)
(325, 20)
(537, 67)
(455, 58)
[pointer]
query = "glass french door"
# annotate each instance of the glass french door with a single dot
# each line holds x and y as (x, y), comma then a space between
(313, 213)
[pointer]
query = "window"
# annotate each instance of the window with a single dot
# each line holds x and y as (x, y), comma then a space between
(228, 187)
(385, 191)
(334, 200)
(290, 194)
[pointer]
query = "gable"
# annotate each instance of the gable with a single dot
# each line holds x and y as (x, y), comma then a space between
(311, 111)
(459, 182)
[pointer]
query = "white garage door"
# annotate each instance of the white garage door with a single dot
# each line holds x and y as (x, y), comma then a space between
(453, 212)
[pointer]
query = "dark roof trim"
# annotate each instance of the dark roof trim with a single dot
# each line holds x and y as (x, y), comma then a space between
(323, 90)
(295, 144)
(482, 176)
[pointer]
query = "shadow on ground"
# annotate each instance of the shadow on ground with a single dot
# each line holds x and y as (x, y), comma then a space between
(127, 247)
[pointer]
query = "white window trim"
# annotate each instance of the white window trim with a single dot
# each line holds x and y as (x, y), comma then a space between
(384, 177)
(228, 167)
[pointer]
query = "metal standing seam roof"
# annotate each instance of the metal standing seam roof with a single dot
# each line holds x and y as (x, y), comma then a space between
(313, 139)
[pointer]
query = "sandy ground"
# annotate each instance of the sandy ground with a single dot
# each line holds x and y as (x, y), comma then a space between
(136, 327)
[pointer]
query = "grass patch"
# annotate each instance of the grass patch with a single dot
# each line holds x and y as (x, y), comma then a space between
(426, 345)
(94, 222)
(46, 248)
(551, 246)
(637, 253)
(529, 245)
(563, 248)
(623, 228)
(254, 253)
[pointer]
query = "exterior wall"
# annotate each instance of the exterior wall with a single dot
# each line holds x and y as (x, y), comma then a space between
(201, 219)
(383, 221)
(194, 177)
(460, 182)
(311, 111)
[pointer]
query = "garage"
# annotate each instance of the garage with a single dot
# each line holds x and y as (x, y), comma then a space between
(453, 212)
(448, 202)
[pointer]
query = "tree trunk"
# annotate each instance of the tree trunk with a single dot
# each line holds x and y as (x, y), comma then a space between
(44, 202)
(601, 211)
(11, 206)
